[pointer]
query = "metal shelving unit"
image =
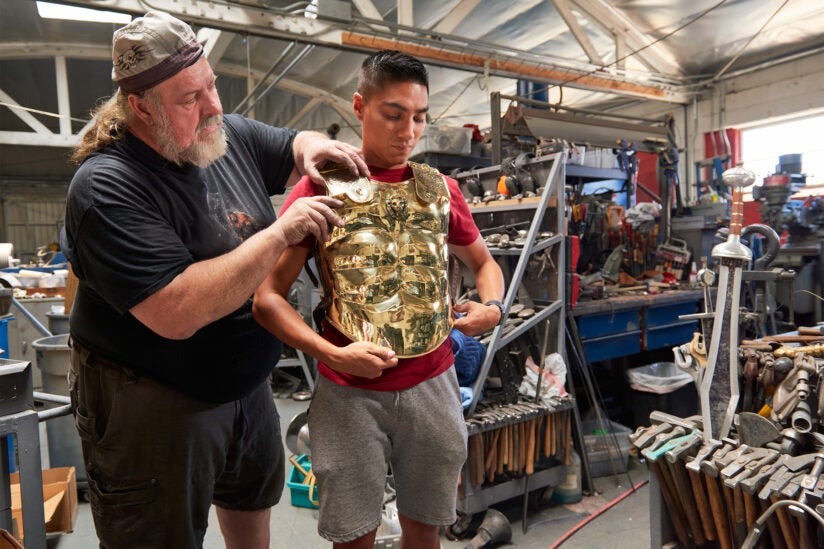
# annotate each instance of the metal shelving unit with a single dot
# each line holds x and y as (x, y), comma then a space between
(548, 215)
(545, 239)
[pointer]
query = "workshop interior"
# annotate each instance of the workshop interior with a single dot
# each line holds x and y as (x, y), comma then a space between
(649, 175)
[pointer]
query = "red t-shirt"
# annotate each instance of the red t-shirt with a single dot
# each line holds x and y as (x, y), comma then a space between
(409, 371)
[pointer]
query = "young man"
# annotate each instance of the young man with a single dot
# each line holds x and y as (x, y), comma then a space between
(387, 392)
(170, 228)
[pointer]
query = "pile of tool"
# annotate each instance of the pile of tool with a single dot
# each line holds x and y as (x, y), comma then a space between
(726, 493)
(509, 441)
(745, 465)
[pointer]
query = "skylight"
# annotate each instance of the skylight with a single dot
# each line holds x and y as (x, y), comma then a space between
(72, 13)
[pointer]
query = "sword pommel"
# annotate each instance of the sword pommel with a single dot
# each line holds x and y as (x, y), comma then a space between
(736, 179)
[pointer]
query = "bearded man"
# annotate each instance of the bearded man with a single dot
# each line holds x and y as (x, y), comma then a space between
(170, 228)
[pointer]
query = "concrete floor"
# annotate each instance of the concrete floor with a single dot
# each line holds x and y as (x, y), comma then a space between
(623, 526)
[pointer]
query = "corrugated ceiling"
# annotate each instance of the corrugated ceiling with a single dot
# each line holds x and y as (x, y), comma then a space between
(679, 45)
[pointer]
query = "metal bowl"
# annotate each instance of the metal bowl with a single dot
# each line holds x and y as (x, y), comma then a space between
(292, 431)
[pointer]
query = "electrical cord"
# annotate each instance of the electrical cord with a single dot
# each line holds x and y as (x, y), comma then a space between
(735, 57)
(642, 48)
(596, 514)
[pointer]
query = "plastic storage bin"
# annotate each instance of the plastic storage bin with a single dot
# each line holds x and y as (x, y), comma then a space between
(53, 360)
(661, 386)
(297, 489)
(445, 139)
(604, 457)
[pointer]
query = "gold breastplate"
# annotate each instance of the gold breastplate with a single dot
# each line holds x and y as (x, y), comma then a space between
(384, 272)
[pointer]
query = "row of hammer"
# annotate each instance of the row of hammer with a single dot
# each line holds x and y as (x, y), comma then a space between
(722, 493)
(517, 446)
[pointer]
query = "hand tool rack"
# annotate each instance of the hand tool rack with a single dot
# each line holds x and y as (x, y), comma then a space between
(548, 217)
(545, 235)
(533, 439)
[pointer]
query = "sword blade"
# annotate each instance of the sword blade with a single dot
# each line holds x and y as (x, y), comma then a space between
(719, 386)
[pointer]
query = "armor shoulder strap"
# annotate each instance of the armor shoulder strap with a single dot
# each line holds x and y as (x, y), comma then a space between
(429, 183)
(340, 181)
(337, 173)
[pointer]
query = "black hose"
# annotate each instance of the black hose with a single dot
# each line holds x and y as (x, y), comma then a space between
(773, 244)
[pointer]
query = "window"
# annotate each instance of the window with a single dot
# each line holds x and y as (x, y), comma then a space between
(761, 146)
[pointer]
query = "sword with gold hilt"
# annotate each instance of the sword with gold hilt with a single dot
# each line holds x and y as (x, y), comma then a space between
(719, 390)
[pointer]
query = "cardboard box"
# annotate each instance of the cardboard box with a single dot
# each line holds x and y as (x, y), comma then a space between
(7, 541)
(59, 501)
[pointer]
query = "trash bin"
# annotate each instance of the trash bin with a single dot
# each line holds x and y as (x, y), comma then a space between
(58, 322)
(53, 359)
(661, 386)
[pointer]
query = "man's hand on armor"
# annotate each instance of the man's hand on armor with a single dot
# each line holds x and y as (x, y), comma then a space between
(477, 318)
(364, 359)
(319, 152)
(309, 215)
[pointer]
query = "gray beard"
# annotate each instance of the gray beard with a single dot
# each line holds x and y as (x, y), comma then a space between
(199, 153)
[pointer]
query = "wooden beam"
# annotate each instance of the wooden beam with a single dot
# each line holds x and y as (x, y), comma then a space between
(306, 109)
(405, 13)
(38, 139)
(63, 104)
(369, 11)
(215, 42)
(517, 68)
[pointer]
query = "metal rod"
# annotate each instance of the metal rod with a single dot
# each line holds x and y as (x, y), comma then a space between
(63, 410)
(267, 75)
(578, 110)
(31, 318)
(280, 76)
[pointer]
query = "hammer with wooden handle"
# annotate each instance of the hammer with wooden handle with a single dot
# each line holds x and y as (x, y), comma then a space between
(811, 330)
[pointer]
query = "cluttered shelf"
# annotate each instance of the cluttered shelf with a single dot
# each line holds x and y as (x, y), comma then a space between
(623, 302)
(629, 324)
(515, 448)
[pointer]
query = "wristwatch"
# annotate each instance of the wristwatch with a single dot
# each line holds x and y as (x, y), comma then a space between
(499, 305)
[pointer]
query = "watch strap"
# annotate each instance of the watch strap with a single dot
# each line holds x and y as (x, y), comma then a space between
(499, 305)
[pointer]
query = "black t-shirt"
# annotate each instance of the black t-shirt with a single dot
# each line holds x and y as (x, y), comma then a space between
(134, 221)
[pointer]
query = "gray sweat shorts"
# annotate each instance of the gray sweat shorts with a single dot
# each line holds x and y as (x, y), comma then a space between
(356, 434)
(157, 459)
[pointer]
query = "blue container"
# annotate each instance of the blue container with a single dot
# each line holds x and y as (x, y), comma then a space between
(612, 346)
(617, 322)
(4, 336)
(297, 489)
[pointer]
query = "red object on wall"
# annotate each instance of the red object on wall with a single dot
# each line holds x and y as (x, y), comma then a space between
(714, 146)
(647, 177)
(752, 213)
(575, 252)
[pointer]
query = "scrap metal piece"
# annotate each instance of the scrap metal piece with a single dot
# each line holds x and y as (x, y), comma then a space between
(756, 430)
